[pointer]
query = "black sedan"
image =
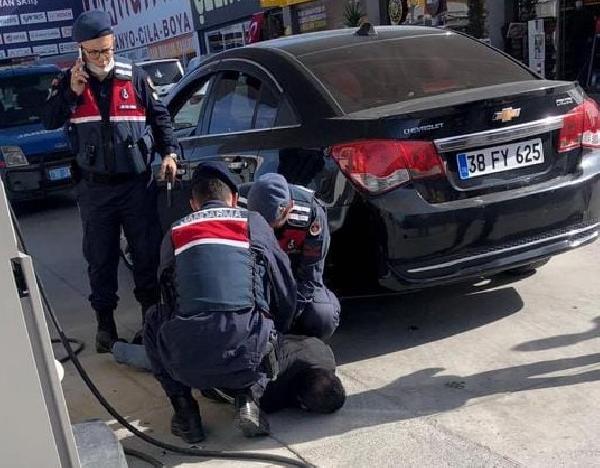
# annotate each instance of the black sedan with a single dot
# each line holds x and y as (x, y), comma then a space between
(438, 157)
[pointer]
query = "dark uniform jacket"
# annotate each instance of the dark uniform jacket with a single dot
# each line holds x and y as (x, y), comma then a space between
(107, 123)
(234, 288)
(297, 354)
(305, 238)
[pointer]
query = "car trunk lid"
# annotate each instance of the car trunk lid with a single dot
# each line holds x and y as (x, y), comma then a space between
(488, 139)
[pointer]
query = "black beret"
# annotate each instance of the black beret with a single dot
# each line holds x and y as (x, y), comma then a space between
(217, 170)
(91, 25)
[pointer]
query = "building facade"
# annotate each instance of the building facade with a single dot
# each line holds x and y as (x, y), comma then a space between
(151, 29)
(39, 28)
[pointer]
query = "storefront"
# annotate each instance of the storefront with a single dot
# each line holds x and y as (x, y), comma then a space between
(579, 44)
(226, 37)
(223, 25)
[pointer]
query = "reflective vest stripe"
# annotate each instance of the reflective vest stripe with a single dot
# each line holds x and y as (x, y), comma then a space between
(123, 65)
(126, 118)
(79, 120)
(213, 241)
(206, 220)
(216, 231)
(297, 217)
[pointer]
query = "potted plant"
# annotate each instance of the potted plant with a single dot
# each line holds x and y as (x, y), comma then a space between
(353, 13)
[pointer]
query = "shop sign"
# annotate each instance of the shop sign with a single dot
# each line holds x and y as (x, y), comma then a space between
(172, 48)
(143, 23)
(34, 26)
(311, 17)
(211, 13)
(280, 3)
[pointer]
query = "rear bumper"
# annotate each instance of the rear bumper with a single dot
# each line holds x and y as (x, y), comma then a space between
(424, 244)
(34, 181)
(492, 261)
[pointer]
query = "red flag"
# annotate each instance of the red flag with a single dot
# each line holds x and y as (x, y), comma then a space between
(256, 26)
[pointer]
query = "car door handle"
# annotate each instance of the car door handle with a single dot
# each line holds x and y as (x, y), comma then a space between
(244, 165)
(237, 166)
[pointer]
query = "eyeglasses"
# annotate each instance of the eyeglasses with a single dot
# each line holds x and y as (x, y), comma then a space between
(95, 54)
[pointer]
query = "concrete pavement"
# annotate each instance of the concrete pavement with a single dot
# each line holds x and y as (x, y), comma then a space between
(495, 374)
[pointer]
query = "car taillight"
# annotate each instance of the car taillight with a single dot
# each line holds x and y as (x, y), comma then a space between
(378, 166)
(581, 127)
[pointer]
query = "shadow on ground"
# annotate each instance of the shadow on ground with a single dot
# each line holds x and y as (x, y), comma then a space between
(561, 341)
(428, 392)
(403, 322)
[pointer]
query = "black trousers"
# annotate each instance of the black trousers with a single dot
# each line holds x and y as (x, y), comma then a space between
(155, 318)
(104, 210)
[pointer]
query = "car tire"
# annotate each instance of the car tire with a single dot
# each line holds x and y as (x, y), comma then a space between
(527, 269)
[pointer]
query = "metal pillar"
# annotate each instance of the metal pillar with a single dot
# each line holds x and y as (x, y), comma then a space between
(35, 429)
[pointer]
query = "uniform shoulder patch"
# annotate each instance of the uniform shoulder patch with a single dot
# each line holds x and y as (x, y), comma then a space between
(315, 228)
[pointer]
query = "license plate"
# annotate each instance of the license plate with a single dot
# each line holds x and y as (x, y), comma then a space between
(500, 158)
(60, 173)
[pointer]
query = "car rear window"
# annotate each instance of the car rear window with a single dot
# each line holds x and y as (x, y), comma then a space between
(373, 73)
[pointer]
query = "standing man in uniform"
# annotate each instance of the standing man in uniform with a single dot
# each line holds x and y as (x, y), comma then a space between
(232, 294)
(300, 225)
(107, 104)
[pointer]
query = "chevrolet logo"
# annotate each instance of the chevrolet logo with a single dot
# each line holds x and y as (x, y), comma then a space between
(506, 115)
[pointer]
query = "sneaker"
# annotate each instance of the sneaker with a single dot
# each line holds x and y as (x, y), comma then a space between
(218, 395)
(251, 419)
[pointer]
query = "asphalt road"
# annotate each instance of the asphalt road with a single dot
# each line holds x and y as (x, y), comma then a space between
(500, 373)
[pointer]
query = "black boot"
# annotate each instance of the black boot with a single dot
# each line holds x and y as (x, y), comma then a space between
(106, 334)
(186, 422)
(250, 418)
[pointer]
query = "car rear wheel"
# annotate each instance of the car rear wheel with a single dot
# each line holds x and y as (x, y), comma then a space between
(527, 269)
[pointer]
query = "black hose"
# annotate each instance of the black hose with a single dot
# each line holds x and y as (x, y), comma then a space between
(144, 457)
(113, 412)
(80, 347)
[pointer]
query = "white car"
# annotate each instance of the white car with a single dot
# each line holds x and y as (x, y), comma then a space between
(164, 73)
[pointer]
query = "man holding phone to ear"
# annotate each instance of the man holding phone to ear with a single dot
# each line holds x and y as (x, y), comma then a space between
(108, 105)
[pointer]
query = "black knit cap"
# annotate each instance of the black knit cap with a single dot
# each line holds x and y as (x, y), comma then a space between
(91, 25)
(218, 170)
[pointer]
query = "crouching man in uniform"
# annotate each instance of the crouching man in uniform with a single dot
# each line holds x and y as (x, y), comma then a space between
(300, 225)
(229, 293)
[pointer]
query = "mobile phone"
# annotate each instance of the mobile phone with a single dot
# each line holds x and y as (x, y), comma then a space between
(80, 57)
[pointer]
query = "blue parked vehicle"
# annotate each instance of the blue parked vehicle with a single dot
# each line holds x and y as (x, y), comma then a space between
(34, 162)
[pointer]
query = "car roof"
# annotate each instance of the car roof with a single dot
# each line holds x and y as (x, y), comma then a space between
(147, 62)
(29, 69)
(301, 44)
